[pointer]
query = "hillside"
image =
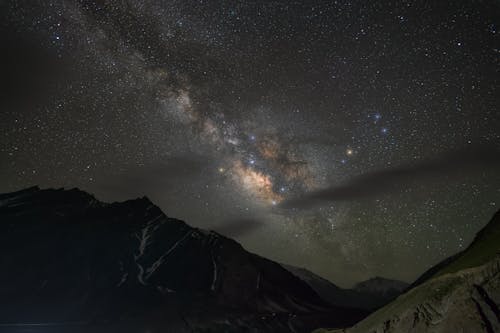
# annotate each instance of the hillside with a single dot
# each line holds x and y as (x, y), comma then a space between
(484, 247)
(461, 294)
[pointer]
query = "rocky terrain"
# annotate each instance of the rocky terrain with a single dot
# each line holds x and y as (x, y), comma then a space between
(460, 294)
(73, 264)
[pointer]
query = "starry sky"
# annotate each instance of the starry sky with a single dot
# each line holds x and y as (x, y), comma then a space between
(353, 138)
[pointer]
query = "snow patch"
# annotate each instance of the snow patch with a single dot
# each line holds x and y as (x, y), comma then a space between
(140, 275)
(123, 279)
(214, 280)
(160, 260)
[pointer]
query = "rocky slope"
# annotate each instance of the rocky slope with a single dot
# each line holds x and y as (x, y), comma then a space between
(461, 294)
(73, 264)
(368, 295)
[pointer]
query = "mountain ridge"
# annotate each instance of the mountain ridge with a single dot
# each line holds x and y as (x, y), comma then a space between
(363, 295)
(73, 258)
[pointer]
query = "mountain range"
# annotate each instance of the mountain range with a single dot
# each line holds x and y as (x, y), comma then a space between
(73, 263)
(368, 295)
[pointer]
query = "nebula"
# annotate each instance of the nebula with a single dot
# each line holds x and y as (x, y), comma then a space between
(257, 183)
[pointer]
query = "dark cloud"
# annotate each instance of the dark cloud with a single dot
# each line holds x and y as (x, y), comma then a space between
(238, 227)
(452, 165)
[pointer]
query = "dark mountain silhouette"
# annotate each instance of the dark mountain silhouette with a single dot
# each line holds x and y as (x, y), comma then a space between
(71, 263)
(369, 295)
(381, 285)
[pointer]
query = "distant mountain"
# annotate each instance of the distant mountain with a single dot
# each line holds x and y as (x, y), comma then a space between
(385, 288)
(460, 294)
(368, 295)
(71, 263)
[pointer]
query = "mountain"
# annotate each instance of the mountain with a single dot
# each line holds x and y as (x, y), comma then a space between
(382, 286)
(460, 294)
(71, 263)
(368, 295)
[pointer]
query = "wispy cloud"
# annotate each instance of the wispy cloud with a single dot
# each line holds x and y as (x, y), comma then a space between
(453, 165)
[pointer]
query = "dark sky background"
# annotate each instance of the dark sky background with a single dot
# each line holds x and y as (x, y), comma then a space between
(353, 138)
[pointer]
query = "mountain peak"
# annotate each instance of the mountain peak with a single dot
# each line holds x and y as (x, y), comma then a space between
(381, 284)
(92, 261)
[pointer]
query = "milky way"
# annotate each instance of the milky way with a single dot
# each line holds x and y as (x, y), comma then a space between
(225, 112)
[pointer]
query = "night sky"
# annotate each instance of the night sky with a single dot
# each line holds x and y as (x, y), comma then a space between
(353, 138)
